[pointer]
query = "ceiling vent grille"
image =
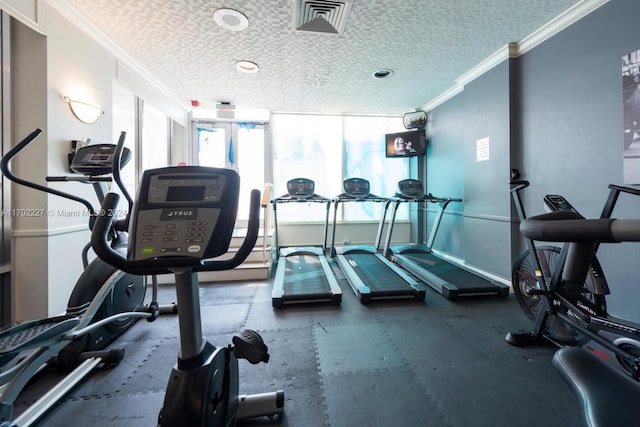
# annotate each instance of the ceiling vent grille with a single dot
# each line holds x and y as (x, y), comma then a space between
(321, 16)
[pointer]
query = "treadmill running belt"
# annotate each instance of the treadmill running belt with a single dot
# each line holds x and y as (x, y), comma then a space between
(304, 275)
(375, 274)
(447, 271)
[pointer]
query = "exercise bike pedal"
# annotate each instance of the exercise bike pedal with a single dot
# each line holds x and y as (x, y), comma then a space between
(248, 345)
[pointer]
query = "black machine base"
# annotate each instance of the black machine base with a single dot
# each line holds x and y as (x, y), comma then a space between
(203, 391)
(521, 338)
(196, 396)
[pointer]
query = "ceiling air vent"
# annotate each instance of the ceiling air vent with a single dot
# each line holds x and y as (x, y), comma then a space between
(321, 16)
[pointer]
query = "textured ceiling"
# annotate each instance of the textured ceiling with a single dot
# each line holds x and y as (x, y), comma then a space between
(428, 44)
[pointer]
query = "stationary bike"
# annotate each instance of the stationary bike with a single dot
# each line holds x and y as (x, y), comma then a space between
(182, 222)
(562, 290)
(104, 303)
(608, 396)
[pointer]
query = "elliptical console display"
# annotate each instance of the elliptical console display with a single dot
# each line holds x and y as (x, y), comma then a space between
(97, 159)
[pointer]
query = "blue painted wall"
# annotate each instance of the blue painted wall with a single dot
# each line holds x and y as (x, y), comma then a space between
(571, 143)
(556, 114)
(480, 225)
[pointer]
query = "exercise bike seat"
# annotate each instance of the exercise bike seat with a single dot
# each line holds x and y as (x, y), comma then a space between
(608, 397)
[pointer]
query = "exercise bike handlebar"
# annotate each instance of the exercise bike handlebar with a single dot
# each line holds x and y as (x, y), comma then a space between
(565, 226)
(100, 245)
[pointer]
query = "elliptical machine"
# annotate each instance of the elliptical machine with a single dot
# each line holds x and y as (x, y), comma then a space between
(183, 217)
(104, 303)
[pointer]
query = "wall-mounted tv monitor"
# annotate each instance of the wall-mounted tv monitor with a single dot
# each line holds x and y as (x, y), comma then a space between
(405, 144)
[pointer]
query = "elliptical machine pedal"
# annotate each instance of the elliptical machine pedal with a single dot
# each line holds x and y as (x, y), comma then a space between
(249, 345)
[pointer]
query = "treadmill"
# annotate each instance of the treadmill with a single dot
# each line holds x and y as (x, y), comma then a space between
(369, 273)
(448, 278)
(303, 273)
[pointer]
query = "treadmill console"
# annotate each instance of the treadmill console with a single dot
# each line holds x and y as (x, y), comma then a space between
(301, 188)
(356, 187)
(180, 209)
(410, 189)
(97, 159)
(555, 203)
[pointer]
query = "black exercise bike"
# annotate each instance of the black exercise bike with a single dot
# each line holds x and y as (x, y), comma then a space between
(567, 303)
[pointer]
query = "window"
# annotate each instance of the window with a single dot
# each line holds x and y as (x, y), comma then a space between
(124, 119)
(307, 147)
(155, 138)
(212, 146)
(329, 149)
(238, 146)
(138, 118)
(365, 158)
(250, 151)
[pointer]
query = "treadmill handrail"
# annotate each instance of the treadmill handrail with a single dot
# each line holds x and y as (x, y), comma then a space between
(443, 202)
(342, 198)
(288, 198)
(314, 198)
(425, 198)
(345, 198)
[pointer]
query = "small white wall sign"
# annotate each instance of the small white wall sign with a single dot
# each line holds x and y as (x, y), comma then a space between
(482, 149)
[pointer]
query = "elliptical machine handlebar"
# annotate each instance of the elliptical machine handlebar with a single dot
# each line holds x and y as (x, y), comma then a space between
(99, 242)
(6, 170)
(518, 184)
(78, 178)
(117, 161)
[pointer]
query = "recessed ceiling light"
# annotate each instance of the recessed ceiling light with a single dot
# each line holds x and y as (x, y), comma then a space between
(248, 67)
(383, 74)
(230, 19)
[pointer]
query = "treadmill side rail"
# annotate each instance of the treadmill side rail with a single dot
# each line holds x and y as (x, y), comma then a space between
(361, 290)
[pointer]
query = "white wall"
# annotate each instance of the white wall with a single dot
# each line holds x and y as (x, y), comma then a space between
(56, 60)
(29, 111)
(79, 68)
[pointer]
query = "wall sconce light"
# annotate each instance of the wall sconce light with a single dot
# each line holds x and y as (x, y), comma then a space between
(86, 112)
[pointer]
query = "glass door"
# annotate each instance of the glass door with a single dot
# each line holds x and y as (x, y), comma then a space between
(237, 146)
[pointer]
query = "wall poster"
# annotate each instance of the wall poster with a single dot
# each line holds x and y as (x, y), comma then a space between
(631, 113)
